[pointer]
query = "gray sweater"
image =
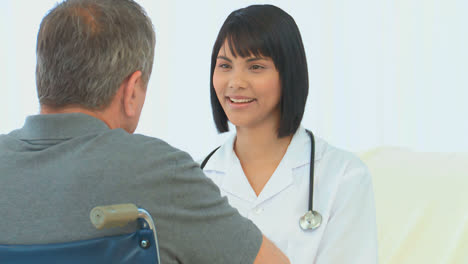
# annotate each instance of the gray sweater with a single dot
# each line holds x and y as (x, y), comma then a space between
(56, 168)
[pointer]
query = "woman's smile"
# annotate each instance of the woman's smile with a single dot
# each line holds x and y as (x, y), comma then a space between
(239, 102)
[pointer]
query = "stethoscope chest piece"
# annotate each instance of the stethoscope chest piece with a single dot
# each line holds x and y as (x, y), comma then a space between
(310, 221)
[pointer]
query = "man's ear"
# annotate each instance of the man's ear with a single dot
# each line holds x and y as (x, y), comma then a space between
(130, 86)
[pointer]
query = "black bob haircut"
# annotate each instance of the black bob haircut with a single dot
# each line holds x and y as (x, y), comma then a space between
(268, 31)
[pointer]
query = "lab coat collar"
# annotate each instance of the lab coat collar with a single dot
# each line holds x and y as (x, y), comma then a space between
(297, 155)
(235, 182)
(299, 149)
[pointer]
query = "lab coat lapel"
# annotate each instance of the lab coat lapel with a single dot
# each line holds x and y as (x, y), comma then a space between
(233, 181)
(280, 180)
(297, 155)
(236, 183)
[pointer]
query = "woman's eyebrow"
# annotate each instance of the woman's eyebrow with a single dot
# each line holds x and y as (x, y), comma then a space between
(224, 58)
(255, 59)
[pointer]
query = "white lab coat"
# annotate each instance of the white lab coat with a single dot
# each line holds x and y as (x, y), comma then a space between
(342, 194)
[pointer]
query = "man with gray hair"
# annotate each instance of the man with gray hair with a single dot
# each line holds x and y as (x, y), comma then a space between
(94, 60)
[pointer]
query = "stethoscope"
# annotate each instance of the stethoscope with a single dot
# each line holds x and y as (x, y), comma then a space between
(312, 219)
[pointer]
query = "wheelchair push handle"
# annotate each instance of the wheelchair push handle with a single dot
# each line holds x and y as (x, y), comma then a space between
(116, 215)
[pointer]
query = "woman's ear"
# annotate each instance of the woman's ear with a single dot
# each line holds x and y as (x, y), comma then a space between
(131, 102)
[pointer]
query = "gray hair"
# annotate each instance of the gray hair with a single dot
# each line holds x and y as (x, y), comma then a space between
(87, 48)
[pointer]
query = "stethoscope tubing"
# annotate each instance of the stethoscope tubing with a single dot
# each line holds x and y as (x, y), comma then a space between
(311, 170)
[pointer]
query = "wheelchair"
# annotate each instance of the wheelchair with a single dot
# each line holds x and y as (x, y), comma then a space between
(138, 247)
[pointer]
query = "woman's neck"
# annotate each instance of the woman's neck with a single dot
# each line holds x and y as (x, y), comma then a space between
(260, 151)
(260, 143)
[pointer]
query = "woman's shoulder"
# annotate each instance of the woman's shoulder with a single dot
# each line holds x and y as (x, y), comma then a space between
(333, 153)
(345, 163)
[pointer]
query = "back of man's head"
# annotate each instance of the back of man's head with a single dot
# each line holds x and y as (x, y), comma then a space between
(87, 48)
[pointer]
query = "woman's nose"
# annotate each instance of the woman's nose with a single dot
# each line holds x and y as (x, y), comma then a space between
(238, 80)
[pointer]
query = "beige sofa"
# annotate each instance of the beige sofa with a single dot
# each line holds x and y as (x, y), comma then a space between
(422, 205)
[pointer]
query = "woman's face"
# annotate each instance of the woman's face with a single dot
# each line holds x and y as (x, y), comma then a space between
(248, 89)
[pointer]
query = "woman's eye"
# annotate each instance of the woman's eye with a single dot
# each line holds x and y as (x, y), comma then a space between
(224, 66)
(256, 67)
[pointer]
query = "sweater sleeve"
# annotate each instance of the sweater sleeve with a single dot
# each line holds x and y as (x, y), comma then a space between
(204, 228)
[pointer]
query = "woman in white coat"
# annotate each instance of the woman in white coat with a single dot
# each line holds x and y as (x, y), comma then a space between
(259, 83)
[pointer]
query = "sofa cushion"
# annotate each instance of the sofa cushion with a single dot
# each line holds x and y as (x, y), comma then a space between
(422, 205)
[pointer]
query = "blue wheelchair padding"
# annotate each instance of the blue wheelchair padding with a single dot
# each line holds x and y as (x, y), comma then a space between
(111, 249)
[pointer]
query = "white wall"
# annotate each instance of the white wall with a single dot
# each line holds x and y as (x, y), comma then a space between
(381, 72)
